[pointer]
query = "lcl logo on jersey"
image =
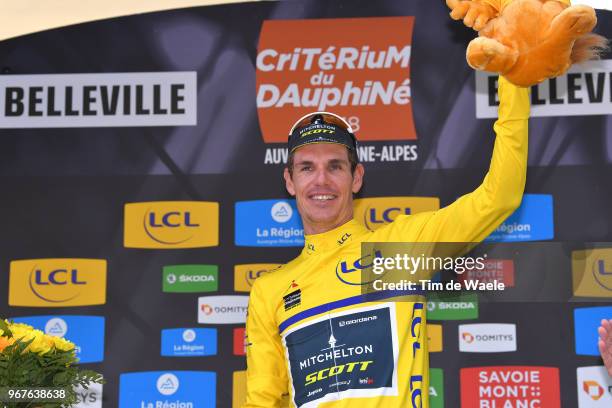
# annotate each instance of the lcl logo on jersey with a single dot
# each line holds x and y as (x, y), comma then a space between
(349, 272)
(245, 275)
(57, 282)
(379, 211)
(171, 224)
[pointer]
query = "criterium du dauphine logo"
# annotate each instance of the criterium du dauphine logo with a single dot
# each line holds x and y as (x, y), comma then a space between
(316, 65)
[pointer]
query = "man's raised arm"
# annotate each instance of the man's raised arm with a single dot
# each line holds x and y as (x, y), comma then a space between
(472, 217)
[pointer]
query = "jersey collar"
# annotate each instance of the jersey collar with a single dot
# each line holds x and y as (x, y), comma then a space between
(333, 239)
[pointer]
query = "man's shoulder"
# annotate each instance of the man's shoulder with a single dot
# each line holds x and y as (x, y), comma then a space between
(278, 278)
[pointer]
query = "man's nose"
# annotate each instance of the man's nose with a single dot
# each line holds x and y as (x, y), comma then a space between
(322, 176)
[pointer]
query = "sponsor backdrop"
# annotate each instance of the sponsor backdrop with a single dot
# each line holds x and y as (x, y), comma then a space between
(142, 192)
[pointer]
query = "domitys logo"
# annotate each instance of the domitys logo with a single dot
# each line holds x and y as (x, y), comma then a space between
(328, 64)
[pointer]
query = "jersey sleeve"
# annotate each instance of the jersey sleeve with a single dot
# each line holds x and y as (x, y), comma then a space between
(266, 370)
(472, 217)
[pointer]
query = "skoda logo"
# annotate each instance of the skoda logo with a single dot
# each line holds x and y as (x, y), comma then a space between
(281, 212)
(171, 278)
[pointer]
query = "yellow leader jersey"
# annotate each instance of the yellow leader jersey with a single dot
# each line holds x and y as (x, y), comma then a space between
(310, 332)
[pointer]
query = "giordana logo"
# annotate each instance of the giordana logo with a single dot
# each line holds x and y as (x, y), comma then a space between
(309, 65)
(487, 338)
(583, 90)
(56, 327)
(86, 332)
(268, 223)
(245, 275)
(281, 212)
(586, 322)
(379, 211)
(592, 272)
(510, 386)
(594, 387)
(189, 342)
(495, 270)
(167, 384)
(98, 100)
(167, 389)
(57, 282)
(190, 278)
(532, 221)
(222, 309)
(171, 224)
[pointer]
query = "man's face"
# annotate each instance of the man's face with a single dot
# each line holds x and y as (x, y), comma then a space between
(323, 185)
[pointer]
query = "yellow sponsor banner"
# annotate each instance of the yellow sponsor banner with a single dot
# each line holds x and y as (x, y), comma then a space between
(434, 338)
(245, 274)
(171, 224)
(57, 282)
(238, 389)
(379, 211)
(592, 272)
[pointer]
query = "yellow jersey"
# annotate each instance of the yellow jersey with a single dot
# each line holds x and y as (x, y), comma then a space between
(313, 335)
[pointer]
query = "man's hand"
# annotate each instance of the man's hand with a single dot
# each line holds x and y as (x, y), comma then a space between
(474, 14)
(605, 343)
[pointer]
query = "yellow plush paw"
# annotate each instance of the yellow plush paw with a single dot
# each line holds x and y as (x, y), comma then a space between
(487, 54)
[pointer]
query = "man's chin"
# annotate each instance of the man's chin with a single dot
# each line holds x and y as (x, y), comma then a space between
(324, 219)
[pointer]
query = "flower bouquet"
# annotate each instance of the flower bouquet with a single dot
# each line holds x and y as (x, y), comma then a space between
(38, 370)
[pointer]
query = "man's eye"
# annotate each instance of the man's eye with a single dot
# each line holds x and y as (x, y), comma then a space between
(305, 168)
(336, 167)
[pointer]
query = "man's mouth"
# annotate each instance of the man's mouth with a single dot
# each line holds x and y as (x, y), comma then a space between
(322, 197)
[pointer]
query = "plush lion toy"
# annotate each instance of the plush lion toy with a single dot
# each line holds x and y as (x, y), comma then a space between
(528, 41)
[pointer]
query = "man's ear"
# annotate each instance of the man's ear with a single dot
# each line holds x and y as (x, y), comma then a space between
(358, 178)
(288, 182)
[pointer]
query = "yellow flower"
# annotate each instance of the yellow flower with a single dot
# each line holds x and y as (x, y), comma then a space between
(40, 345)
(63, 344)
(18, 326)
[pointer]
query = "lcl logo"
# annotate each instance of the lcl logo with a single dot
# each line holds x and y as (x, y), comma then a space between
(172, 219)
(58, 277)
